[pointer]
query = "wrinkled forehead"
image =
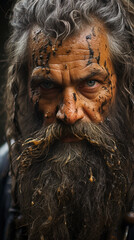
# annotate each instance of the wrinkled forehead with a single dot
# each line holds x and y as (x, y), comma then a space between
(90, 39)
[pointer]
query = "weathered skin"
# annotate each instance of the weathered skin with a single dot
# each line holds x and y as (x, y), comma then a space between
(73, 80)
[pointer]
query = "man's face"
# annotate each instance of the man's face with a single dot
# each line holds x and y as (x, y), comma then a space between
(72, 179)
(74, 79)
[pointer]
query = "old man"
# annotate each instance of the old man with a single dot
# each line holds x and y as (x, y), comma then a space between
(70, 113)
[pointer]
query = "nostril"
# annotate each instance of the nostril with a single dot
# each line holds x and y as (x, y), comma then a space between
(65, 117)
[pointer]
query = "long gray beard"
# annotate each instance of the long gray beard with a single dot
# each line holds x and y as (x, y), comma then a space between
(71, 191)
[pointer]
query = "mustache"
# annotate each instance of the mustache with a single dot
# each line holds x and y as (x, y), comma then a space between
(95, 134)
(37, 146)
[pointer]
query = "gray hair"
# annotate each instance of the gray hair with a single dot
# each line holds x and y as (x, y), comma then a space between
(59, 19)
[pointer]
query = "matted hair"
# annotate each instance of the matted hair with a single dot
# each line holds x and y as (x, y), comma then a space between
(59, 19)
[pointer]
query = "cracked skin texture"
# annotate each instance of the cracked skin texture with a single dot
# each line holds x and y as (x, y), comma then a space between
(80, 67)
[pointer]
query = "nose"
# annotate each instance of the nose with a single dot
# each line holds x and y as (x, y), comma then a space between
(70, 110)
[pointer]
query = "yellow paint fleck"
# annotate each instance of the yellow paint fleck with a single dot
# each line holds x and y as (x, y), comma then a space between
(92, 178)
(53, 48)
(36, 142)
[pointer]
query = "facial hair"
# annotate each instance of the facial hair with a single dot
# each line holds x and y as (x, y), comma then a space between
(71, 190)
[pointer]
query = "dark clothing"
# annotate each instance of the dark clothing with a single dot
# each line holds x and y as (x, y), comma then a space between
(131, 233)
(6, 212)
(5, 191)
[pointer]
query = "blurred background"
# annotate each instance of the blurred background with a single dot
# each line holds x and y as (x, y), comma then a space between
(5, 11)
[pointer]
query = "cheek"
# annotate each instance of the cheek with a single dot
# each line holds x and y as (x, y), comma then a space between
(97, 109)
(106, 100)
(91, 112)
(104, 105)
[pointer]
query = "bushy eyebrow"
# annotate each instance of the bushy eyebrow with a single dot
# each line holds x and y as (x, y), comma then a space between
(101, 73)
(94, 73)
(36, 80)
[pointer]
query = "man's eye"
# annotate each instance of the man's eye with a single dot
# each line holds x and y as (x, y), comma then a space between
(89, 87)
(47, 85)
(91, 83)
